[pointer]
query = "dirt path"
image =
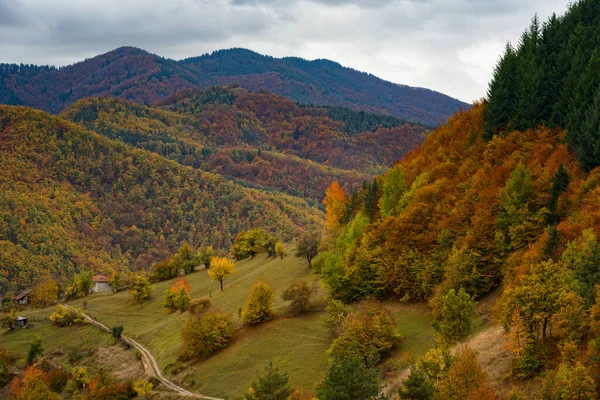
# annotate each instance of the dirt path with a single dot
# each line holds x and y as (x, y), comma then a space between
(148, 360)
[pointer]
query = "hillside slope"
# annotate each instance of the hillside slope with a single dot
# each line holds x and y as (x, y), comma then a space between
(258, 138)
(145, 78)
(71, 199)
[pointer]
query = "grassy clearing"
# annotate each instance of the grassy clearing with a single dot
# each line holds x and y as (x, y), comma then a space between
(65, 344)
(296, 344)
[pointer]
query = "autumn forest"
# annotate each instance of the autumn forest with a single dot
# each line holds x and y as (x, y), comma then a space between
(429, 250)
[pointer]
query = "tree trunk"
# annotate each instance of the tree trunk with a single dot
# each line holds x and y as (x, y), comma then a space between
(221, 281)
(309, 262)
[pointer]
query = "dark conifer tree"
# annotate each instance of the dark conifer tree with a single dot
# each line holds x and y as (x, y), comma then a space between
(501, 95)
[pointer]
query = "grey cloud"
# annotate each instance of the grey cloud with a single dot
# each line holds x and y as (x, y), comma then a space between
(446, 45)
(9, 15)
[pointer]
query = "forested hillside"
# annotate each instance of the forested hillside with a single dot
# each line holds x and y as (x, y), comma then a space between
(258, 138)
(551, 77)
(503, 196)
(145, 78)
(72, 200)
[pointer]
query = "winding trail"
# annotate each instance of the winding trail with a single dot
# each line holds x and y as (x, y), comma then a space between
(148, 360)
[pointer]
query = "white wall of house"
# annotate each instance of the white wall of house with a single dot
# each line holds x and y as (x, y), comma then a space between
(100, 287)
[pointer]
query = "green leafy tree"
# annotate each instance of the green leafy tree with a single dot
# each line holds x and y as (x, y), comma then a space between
(116, 282)
(35, 350)
(271, 385)
(9, 319)
(393, 187)
(455, 318)
(140, 288)
(206, 255)
(258, 304)
(308, 247)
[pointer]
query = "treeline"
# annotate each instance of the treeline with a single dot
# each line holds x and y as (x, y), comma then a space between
(551, 77)
(72, 200)
(361, 121)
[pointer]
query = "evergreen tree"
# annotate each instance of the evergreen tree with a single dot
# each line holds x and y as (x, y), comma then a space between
(530, 78)
(272, 385)
(500, 105)
(350, 379)
(560, 183)
(416, 387)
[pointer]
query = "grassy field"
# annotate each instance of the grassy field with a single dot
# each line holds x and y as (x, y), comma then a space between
(296, 344)
(72, 346)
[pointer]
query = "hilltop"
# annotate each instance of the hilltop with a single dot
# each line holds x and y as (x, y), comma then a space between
(145, 78)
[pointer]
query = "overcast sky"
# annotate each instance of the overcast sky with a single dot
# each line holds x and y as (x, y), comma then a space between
(447, 45)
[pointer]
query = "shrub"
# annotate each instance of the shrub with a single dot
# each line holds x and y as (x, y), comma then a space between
(299, 293)
(117, 331)
(35, 350)
(177, 297)
(199, 306)
(258, 304)
(67, 317)
(204, 335)
(58, 379)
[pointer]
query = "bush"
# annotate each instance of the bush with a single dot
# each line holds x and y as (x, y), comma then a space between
(206, 334)
(299, 293)
(67, 317)
(58, 379)
(177, 297)
(117, 331)
(35, 350)
(258, 304)
(199, 306)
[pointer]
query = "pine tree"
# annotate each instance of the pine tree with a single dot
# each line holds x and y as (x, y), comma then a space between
(500, 104)
(530, 78)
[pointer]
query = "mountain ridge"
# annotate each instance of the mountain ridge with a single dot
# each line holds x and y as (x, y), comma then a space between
(138, 75)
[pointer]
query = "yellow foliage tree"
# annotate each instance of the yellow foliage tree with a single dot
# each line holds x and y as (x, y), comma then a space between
(258, 304)
(45, 293)
(220, 268)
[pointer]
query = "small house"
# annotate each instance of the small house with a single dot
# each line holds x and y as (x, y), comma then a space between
(23, 297)
(21, 322)
(100, 283)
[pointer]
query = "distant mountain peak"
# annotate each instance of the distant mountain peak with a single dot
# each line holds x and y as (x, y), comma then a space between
(138, 75)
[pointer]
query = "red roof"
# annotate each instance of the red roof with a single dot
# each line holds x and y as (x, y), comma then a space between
(22, 294)
(100, 278)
